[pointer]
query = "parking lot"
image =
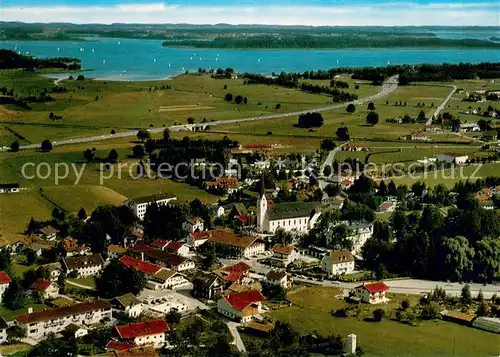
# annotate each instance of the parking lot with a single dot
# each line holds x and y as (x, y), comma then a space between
(163, 301)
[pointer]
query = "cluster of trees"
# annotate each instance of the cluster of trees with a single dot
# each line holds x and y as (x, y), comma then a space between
(291, 80)
(221, 73)
(310, 120)
(116, 279)
(237, 99)
(337, 41)
(10, 59)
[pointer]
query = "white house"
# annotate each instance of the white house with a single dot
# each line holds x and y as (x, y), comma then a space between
(197, 239)
(338, 262)
(48, 233)
(149, 333)
(278, 277)
(3, 330)
(453, 158)
(388, 206)
(246, 246)
(373, 293)
(84, 265)
(291, 216)
(242, 307)
(54, 270)
(5, 280)
(465, 127)
(168, 246)
(39, 325)
(360, 233)
(194, 224)
(139, 204)
(284, 254)
(128, 304)
(47, 288)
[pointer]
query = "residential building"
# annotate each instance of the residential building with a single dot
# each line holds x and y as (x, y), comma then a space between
(54, 270)
(167, 260)
(207, 286)
(197, 239)
(419, 136)
(241, 307)
(469, 127)
(72, 248)
(5, 280)
(39, 325)
(291, 216)
(140, 204)
(278, 277)
(283, 254)
(38, 246)
(372, 293)
(47, 233)
(194, 224)
(133, 235)
(45, 287)
(354, 147)
(228, 184)
(128, 304)
(360, 233)
(9, 188)
(338, 262)
(453, 158)
(116, 251)
(177, 248)
(243, 245)
(388, 206)
(147, 351)
(84, 265)
(149, 333)
(235, 273)
(3, 330)
(159, 278)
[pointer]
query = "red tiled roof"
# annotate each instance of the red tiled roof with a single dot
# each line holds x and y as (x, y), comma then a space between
(175, 245)
(4, 278)
(201, 235)
(154, 327)
(376, 287)
(283, 249)
(233, 276)
(137, 264)
(243, 218)
(238, 267)
(160, 243)
(119, 346)
(41, 284)
(241, 300)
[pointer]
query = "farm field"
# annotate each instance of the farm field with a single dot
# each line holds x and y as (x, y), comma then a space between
(311, 313)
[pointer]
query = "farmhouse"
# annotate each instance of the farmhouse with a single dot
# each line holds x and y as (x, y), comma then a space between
(194, 224)
(5, 280)
(244, 246)
(388, 206)
(278, 277)
(291, 216)
(139, 204)
(469, 127)
(177, 248)
(241, 307)
(373, 293)
(39, 325)
(197, 239)
(167, 260)
(47, 233)
(54, 270)
(453, 158)
(283, 254)
(72, 248)
(9, 188)
(149, 333)
(84, 265)
(338, 262)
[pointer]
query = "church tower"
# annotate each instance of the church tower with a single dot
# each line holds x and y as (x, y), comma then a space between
(261, 209)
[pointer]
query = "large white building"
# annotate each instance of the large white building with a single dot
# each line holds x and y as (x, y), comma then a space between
(39, 325)
(84, 265)
(140, 204)
(291, 216)
(360, 233)
(338, 262)
(243, 245)
(453, 158)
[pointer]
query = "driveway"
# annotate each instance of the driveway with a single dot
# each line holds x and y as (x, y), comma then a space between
(233, 328)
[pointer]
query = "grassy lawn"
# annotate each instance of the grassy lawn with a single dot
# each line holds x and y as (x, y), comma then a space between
(8, 350)
(87, 281)
(310, 312)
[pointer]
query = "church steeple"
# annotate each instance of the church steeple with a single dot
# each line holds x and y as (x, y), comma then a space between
(261, 207)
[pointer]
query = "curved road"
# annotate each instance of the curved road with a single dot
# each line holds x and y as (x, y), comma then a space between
(388, 87)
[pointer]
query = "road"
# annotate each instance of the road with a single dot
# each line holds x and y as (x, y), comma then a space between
(388, 87)
(442, 105)
(233, 328)
(79, 285)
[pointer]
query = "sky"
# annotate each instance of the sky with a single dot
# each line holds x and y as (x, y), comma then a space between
(278, 12)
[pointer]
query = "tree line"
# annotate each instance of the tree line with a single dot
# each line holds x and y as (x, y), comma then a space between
(11, 60)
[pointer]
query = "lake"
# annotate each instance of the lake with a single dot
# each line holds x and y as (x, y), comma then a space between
(125, 59)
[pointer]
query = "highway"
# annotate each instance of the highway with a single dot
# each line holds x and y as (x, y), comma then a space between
(388, 87)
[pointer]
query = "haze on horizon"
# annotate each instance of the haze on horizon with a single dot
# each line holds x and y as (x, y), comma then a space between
(273, 12)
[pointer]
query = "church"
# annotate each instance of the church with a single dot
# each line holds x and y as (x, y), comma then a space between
(297, 216)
